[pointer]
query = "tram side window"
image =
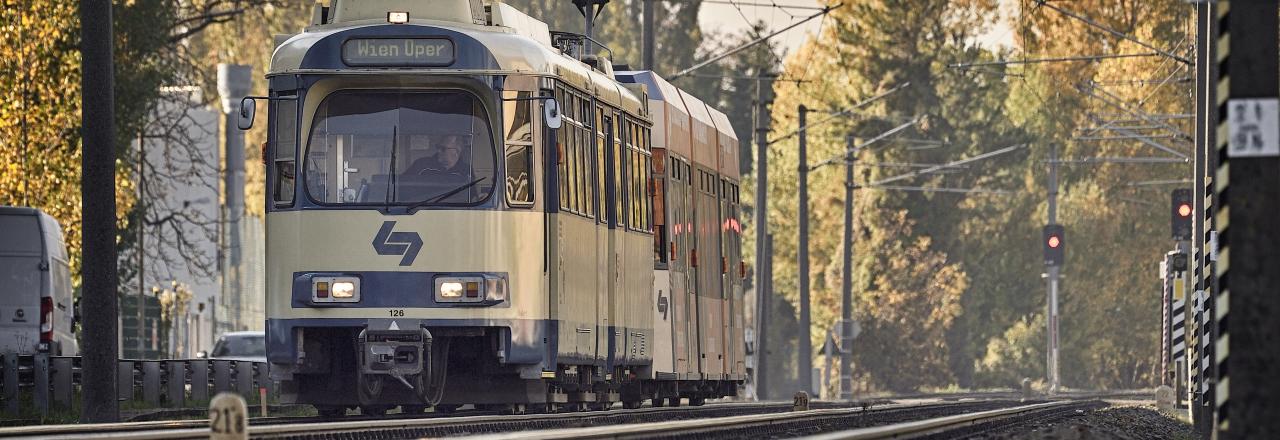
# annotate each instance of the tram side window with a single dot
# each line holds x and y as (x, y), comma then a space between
(584, 175)
(604, 135)
(286, 149)
(519, 151)
(561, 140)
(619, 179)
(571, 151)
(588, 171)
(646, 208)
(659, 204)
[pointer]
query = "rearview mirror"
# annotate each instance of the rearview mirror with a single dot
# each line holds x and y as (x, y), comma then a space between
(248, 108)
(551, 113)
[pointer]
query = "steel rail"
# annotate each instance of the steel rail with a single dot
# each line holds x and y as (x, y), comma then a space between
(940, 424)
(269, 426)
(315, 426)
(701, 426)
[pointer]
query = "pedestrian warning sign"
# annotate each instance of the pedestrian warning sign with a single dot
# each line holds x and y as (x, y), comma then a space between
(1254, 126)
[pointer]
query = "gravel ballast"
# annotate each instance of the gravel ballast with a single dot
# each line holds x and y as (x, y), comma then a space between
(1113, 422)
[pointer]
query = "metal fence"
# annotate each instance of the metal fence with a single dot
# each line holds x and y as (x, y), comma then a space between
(168, 383)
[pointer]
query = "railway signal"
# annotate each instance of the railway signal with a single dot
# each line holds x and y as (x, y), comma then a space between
(1054, 244)
(1180, 207)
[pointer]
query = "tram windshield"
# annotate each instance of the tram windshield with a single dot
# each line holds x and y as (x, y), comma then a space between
(418, 148)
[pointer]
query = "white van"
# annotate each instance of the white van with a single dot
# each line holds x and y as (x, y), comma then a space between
(36, 308)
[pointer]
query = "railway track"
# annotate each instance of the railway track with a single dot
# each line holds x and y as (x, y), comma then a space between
(966, 425)
(427, 425)
(783, 425)
(720, 420)
(456, 423)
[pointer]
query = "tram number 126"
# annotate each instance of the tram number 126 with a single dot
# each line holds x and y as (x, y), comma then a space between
(396, 313)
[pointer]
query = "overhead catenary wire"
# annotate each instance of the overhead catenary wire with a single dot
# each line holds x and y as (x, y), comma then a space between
(783, 8)
(1114, 32)
(878, 138)
(1052, 60)
(1161, 182)
(748, 45)
(1113, 101)
(841, 113)
(938, 189)
(979, 157)
(1131, 160)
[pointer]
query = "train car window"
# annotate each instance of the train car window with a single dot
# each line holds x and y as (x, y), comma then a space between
(584, 178)
(658, 201)
(619, 180)
(575, 184)
(639, 179)
(286, 149)
(404, 148)
(518, 157)
(602, 177)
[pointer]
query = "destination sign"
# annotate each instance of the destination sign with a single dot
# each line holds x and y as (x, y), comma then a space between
(397, 52)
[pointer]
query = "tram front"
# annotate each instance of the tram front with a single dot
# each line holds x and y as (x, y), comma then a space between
(401, 213)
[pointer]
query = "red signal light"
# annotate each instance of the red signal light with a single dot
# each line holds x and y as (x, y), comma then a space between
(1054, 241)
(1184, 210)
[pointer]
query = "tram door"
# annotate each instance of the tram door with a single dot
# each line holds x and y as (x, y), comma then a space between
(681, 272)
(710, 270)
(610, 232)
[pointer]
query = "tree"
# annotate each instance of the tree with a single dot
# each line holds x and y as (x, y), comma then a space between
(39, 119)
(908, 289)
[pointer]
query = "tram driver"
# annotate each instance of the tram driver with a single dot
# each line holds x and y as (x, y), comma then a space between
(446, 160)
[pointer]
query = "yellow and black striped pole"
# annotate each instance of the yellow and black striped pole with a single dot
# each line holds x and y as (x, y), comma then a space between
(1246, 195)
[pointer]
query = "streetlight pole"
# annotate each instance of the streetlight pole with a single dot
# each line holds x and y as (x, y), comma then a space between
(805, 364)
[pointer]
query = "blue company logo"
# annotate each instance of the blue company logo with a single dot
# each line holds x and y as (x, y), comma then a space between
(397, 243)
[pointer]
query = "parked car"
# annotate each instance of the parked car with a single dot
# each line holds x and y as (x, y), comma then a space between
(239, 346)
(37, 313)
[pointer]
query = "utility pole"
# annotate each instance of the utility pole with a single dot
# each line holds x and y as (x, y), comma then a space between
(846, 302)
(1246, 196)
(98, 215)
(805, 364)
(142, 227)
(766, 307)
(1051, 364)
(763, 252)
(234, 82)
(649, 38)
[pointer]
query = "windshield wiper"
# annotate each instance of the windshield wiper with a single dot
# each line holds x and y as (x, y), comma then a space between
(391, 171)
(445, 195)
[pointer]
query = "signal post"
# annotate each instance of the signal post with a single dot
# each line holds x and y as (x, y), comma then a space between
(1054, 241)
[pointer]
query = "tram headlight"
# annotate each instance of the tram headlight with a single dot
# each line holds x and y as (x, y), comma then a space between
(450, 290)
(344, 289)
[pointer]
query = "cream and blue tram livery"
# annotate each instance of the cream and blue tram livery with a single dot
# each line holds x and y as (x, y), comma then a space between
(461, 212)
